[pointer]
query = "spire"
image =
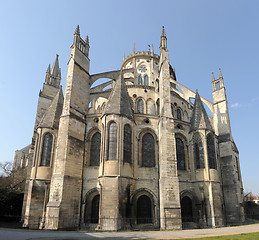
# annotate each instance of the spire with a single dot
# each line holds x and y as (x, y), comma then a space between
(134, 49)
(123, 57)
(47, 78)
(213, 78)
(55, 71)
(77, 32)
(119, 101)
(163, 42)
(152, 49)
(199, 119)
(87, 40)
(220, 74)
(51, 117)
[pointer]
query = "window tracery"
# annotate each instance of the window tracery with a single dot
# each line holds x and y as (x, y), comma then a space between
(46, 150)
(95, 149)
(112, 141)
(148, 150)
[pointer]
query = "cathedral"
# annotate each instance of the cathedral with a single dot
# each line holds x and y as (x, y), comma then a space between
(136, 151)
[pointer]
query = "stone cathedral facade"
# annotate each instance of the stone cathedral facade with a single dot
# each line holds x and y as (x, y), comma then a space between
(132, 152)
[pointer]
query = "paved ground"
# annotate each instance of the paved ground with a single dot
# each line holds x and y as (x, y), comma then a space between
(23, 234)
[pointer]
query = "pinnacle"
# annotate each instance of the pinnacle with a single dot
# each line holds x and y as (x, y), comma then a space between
(220, 74)
(163, 32)
(213, 78)
(77, 32)
(87, 40)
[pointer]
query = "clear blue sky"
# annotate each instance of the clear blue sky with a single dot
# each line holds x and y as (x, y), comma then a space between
(202, 36)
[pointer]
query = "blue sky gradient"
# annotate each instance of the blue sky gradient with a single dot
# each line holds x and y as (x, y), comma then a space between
(202, 36)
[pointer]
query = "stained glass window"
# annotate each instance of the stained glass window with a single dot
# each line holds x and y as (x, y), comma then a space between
(198, 153)
(140, 80)
(211, 152)
(112, 141)
(127, 144)
(95, 149)
(146, 80)
(140, 106)
(148, 150)
(180, 154)
(46, 150)
(179, 114)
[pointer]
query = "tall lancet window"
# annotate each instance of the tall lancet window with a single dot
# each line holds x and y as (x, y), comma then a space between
(179, 114)
(198, 152)
(127, 144)
(148, 150)
(146, 80)
(211, 152)
(140, 80)
(112, 141)
(140, 106)
(95, 149)
(180, 154)
(46, 150)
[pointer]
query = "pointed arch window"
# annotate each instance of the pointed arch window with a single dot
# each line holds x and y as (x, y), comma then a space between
(112, 141)
(95, 149)
(148, 150)
(140, 106)
(211, 152)
(180, 154)
(158, 107)
(140, 80)
(46, 150)
(132, 103)
(198, 152)
(127, 144)
(146, 80)
(179, 114)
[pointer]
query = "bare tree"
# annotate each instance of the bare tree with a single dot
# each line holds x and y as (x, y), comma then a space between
(6, 168)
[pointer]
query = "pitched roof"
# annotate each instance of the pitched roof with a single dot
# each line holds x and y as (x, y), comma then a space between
(52, 115)
(199, 119)
(119, 101)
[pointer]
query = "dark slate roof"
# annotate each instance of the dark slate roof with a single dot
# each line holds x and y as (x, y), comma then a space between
(199, 119)
(119, 102)
(52, 115)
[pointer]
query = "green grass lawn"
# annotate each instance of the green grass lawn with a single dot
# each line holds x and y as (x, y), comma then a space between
(243, 236)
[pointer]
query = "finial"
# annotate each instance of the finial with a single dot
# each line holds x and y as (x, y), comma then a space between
(196, 91)
(77, 32)
(163, 31)
(134, 48)
(57, 56)
(152, 49)
(87, 40)
(123, 57)
(213, 78)
(220, 74)
(48, 70)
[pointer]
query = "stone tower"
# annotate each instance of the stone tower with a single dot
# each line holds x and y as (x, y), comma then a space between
(66, 181)
(228, 154)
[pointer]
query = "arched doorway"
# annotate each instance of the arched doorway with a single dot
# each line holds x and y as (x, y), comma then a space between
(186, 209)
(144, 210)
(95, 209)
